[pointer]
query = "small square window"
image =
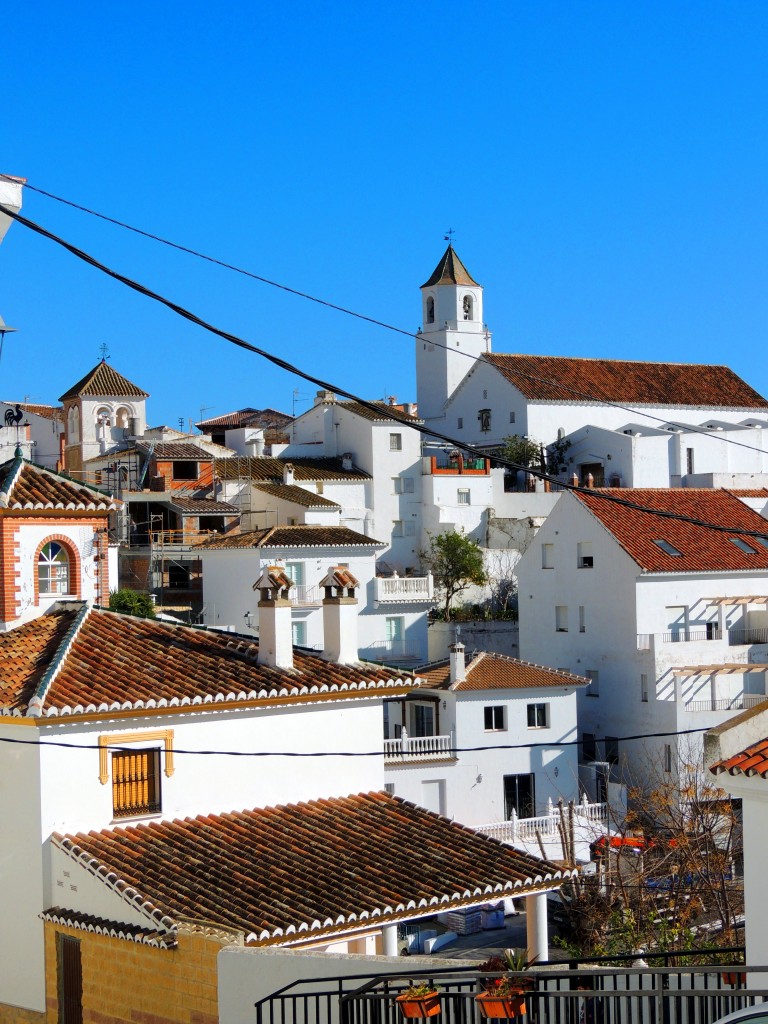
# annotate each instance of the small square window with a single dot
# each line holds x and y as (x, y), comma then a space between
(547, 556)
(460, 423)
(185, 471)
(561, 618)
(494, 718)
(463, 496)
(402, 484)
(395, 442)
(584, 557)
(512, 417)
(538, 716)
(389, 787)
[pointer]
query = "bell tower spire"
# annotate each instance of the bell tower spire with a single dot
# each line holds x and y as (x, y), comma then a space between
(452, 335)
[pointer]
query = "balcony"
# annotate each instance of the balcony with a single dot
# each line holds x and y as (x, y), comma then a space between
(404, 589)
(299, 595)
(738, 637)
(546, 825)
(459, 466)
(418, 748)
(392, 652)
(740, 703)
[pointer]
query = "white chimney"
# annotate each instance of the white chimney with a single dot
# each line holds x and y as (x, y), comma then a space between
(347, 462)
(458, 668)
(288, 473)
(275, 637)
(340, 616)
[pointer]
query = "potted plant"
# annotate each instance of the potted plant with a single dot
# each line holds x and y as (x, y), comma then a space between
(734, 978)
(503, 995)
(419, 1001)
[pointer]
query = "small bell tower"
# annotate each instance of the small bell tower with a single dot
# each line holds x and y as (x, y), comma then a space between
(453, 333)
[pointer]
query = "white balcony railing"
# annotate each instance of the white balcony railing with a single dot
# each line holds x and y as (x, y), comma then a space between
(419, 748)
(740, 703)
(301, 594)
(391, 652)
(404, 588)
(546, 825)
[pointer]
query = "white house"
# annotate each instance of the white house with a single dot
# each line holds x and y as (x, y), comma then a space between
(468, 392)
(53, 541)
(737, 753)
(391, 626)
(39, 429)
(668, 620)
(490, 743)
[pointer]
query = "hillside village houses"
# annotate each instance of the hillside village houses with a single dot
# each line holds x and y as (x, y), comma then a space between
(299, 551)
(682, 643)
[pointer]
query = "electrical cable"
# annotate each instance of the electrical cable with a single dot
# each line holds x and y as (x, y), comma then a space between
(351, 753)
(686, 427)
(380, 410)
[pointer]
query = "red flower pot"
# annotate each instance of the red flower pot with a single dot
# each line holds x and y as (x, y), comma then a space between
(734, 977)
(413, 1007)
(498, 1007)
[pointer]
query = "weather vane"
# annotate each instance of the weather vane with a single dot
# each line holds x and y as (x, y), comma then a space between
(104, 349)
(448, 236)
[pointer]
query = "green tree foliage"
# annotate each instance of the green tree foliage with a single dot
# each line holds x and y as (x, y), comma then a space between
(532, 454)
(456, 563)
(132, 602)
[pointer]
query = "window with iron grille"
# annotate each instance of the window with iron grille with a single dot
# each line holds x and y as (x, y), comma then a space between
(135, 782)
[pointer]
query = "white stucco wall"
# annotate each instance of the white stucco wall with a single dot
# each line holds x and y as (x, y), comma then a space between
(74, 799)
(22, 967)
(473, 786)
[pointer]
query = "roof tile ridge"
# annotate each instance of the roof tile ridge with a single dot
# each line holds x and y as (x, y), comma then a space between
(546, 668)
(35, 706)
(11, 479)
(130, 895)
(114, 929)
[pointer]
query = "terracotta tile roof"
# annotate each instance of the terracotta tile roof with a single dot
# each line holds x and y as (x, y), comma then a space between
(386, 413)
(490, 671)
(271, 469)
(114, 929)
(568, 379)
(752, 761)
(295, 537)
(104, 381)
(24, 485)
(297, 495)
(48, 412)
(701, 550)
(267, 419)
(282, 873)
(450, 270)
(171, 450)
(204, 506)
(98, 661)
(748, 492)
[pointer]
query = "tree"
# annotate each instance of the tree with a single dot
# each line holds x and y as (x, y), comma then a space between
(523, 451)
(666, 875)
(455, 562)
(132, 602)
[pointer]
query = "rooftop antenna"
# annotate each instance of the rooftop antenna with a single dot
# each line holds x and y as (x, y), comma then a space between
(298, 396)
(204, 409)
(448, 236)
(181, 424)
(104, 349)
(4, 329)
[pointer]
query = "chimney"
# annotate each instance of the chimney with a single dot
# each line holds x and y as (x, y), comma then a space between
(288, 473)
(340, 616)
(275, 639)
(325, 398)
(347, 462)
(457, 662)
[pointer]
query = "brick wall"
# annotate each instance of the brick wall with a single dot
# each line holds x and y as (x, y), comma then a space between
(128, 983)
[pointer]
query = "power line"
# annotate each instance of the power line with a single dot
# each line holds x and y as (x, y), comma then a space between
(586, 396)
(372, 406)
(353, 753)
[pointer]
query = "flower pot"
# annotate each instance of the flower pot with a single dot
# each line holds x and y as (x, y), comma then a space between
(497, 1007)
(734, 977)
(413, 1007)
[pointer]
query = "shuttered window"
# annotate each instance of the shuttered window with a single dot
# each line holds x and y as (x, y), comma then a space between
(70, 971)
(135, 782)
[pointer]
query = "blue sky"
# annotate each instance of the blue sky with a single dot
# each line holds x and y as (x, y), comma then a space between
(603, 166)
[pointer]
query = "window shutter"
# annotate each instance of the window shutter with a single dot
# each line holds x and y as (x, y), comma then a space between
(70, 981)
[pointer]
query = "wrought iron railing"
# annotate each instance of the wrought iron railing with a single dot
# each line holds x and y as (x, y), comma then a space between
(740, 703)
(736, 637)
(615, 994)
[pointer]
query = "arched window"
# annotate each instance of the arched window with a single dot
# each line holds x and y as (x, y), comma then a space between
(104, 415)
(467, 307)
(430, 310)
(123, 417)
(53, 569)
(73, 424)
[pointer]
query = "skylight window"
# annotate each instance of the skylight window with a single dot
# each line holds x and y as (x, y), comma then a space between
(761, 540)
(667, 548)
(743, 546)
